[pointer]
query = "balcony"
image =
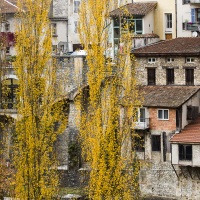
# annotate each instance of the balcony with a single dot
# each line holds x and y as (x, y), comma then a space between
(142, 124)
(191, 26)
(194, 1)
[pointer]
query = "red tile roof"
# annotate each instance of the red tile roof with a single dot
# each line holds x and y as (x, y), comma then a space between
(8, 6)
(167, 96)
(190, 134)
(137, 8)
(178, 46)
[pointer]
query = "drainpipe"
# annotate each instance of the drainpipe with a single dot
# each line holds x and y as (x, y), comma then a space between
(176, 15)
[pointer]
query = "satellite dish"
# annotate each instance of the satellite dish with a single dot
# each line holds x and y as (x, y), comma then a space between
(194, 34)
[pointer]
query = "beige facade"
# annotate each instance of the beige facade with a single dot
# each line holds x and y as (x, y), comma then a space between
(165, 18)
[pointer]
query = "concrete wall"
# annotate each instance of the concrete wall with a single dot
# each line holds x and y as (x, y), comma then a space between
(148, 23)
(161, 64)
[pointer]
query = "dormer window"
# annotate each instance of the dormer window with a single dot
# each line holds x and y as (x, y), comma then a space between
(151, 60)
(189, 60)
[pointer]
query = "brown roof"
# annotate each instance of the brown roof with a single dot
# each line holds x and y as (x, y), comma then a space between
(178, 46)
(190, 134)
(146, 35)
(167, 96)
(137, 8)
(8, 6)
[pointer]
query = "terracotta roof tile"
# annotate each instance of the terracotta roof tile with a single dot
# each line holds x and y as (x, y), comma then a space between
(137, 8)
(177, 46)
(8, 6)
(190, 134)
(167, 96)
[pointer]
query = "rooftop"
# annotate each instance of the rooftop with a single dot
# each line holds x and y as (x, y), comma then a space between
(167, 96)
(8, 6)
(137, 8)
(178, 46)
(190, 134)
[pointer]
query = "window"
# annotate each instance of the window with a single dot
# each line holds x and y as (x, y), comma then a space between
(170, 76)
(192, 112)
(7, 27)
(189, 76)
(155, 142)
(9, 94)
(186, 1)
(54, 48)
(151, 60)
(168, 22)
(189, 60)
(54, 29)
(135, 25)
(195, 15)
(7, 50)
(169, 60)
(76, 6)
(139, 143)
(151, 76)
(75, 26)
(185, 152)
(163, 114)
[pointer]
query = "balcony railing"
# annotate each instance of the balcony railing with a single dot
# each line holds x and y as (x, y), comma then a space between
(142, 124)
(194, 1)
(191, 26)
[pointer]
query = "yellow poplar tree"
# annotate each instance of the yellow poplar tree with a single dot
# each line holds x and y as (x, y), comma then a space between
(41, 117)
(106, 119)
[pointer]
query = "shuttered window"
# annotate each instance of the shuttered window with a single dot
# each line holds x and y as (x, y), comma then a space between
(170, 76)
(151, 76)
(189, 76)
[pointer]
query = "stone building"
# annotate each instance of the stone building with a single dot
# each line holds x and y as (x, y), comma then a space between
(168, 122)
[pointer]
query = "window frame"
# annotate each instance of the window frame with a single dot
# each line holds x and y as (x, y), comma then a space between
(189, 76)
(169, 76)
(54, 29)
(163, 114)
(152, 60)
(184, 155)
(151, 76)
(189, 60)
(76, 5)
(168, 22)
(170, 60)
(7, 27)
(156, 143)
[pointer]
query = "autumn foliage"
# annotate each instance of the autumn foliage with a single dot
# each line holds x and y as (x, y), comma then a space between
(106, 117)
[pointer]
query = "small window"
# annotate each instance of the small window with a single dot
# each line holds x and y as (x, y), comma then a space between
(7, 50)
(185, 152)
(189, 76)
(151, 76)
(151, 60)
(168, 21)
(163, 114)
(75, 26)
(54, 48)
(169, 60)
(76, 6)
(7, 27)
(155, 142)
(170, 76)
(186, 1)
(139, 143)
(54, 29)
(189, 60)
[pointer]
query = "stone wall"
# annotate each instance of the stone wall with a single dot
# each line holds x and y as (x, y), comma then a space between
(160, 179)
(161, 64)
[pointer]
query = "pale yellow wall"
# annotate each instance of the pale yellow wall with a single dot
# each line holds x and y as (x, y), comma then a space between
(163, 6)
